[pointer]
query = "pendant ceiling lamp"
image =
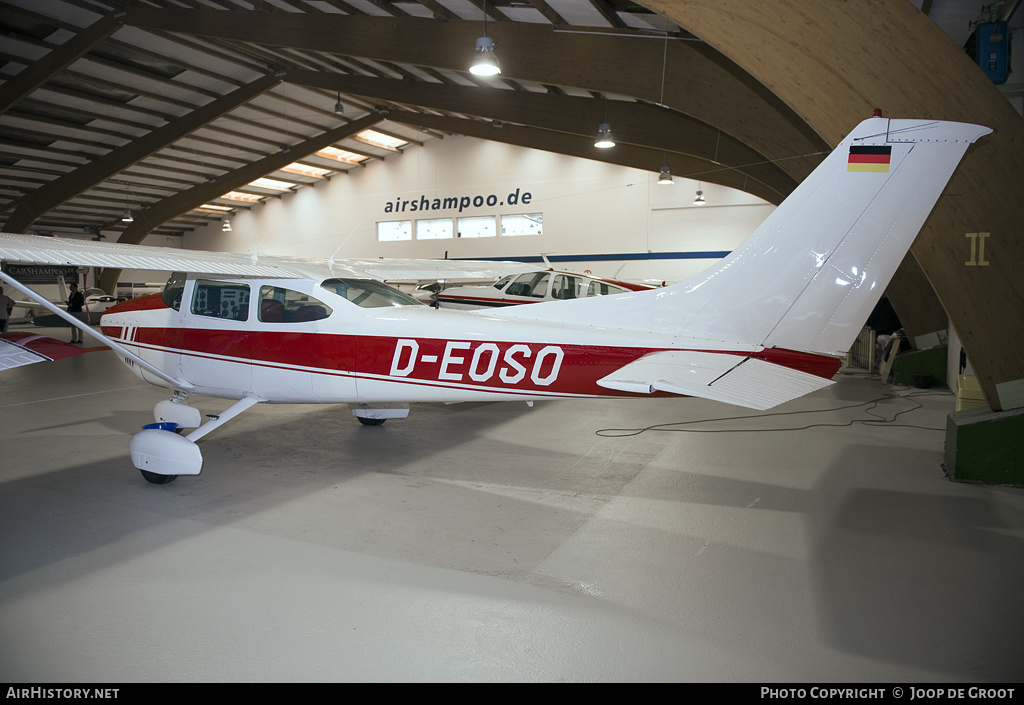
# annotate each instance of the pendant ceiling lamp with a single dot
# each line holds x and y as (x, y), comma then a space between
(485, 63)
(604, 130)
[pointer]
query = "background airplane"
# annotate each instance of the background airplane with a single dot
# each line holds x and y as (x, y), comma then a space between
(532, 287)
(765, 325)
(96, 302)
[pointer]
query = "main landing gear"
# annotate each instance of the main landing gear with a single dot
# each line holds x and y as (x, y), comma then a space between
(156, 478)
(161, 454)
(379, 412)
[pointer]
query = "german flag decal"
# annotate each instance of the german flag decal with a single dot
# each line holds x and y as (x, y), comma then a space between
(869, 159)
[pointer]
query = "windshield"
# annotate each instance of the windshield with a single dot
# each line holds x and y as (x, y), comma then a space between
(174, 289)
(369, 293)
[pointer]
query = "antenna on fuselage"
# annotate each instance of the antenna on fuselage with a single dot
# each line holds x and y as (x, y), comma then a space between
(255, 256)
(330, 260)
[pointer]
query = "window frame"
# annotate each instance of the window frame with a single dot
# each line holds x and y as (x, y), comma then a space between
(291, 306)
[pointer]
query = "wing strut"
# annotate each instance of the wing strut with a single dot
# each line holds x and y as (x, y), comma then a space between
(231, 412)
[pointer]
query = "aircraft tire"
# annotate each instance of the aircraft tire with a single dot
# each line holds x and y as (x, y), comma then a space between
(370, 422)
(157, 478)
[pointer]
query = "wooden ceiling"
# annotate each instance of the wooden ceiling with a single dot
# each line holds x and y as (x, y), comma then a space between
(160, 108)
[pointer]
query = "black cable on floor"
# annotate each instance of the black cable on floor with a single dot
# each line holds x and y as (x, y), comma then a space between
(868, 406)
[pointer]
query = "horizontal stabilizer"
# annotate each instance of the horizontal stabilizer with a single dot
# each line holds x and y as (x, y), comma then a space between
(733, 379)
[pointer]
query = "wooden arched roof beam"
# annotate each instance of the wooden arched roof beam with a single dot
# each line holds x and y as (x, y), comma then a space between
(638, 124)
(698, 82)
(172, 206)
(66, 187)
(832, 63)
(32, 77)
(573, 145)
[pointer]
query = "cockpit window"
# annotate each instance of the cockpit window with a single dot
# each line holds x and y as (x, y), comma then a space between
(500, 284)
(280, 305)
(533, 284)
(221, 300)
(566, 287)
(173, 290)
(604, 289)
(369, 293)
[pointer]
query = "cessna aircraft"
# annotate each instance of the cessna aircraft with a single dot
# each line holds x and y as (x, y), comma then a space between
(765, 325)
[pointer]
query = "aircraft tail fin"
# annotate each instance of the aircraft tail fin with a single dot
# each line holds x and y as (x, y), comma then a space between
(809, 276)
(828, 252)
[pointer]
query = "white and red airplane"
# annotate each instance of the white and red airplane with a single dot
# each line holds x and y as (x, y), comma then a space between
(536, 286)
(765, 325)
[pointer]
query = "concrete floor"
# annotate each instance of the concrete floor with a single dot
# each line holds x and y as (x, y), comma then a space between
(494, 542)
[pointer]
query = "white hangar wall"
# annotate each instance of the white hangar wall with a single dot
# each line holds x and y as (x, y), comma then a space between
(595, 216)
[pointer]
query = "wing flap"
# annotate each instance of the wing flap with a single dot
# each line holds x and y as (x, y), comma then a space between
(743, 381)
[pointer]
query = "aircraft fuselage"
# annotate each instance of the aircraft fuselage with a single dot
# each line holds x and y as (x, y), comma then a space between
(390, 354)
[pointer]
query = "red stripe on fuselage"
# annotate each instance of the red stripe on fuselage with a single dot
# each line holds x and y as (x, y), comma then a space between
(546, 369)
(483, 300)
(142, 303)
(817, 365)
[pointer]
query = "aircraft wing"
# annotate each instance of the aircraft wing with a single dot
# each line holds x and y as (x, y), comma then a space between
(34, 249)
(17, 349)
(743, 381)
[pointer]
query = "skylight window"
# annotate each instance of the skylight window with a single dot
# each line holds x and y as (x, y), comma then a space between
(341, 155)
(244, 197)
(378, 139)
(306, 170)
(214, 207)
(273, 184)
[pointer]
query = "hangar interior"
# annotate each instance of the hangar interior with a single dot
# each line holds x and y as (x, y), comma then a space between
(586, 540)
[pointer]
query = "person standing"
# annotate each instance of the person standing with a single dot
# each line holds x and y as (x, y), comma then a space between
(6, 306)
(75, 303)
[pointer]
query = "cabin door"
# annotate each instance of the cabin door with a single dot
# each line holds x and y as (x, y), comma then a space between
(217, 348)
